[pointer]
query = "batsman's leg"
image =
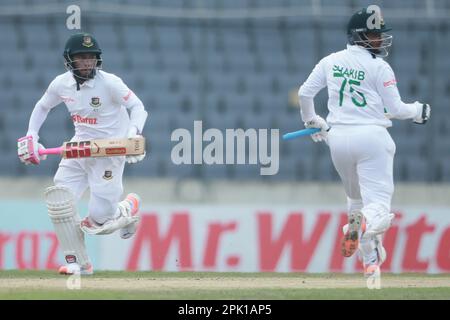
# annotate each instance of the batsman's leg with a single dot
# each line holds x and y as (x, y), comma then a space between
(363, 157)
(353, 232)
(133, 202)
(62, 212)
(125, 218)
(373, 255)
(375, 172)
(344, 161)
(106, 212)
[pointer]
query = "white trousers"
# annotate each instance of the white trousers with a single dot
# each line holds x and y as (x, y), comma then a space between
(103, 176)
(364, 156)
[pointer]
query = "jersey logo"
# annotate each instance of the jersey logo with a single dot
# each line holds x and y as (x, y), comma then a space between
(128, 95)
(108, 175)
(390, 83)
(67, 99)
(95, 102)
(79, 119)
(87, 42)
(70, 258)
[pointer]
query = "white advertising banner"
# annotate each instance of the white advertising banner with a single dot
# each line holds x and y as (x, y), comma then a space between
(232, 238)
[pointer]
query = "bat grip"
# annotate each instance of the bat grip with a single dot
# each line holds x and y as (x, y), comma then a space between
(300, 133)
(58, 150)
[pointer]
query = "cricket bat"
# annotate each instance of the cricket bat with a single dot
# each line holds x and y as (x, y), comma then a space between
(99, 148)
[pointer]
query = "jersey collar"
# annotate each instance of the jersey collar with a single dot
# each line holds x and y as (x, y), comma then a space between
(358, 49)
(90, 83)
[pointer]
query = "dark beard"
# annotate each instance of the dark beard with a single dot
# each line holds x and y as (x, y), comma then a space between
(81, 79)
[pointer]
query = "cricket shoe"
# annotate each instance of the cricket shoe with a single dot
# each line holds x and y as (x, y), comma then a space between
(352, 233)
(373, 261)
(74, 268)
(132, 203)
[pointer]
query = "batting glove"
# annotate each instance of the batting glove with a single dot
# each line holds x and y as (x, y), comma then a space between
(320, 123)
(133, 133)
(423, 112)
(28, 150)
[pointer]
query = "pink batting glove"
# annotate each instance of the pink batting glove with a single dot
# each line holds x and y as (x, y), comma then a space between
(28, 150)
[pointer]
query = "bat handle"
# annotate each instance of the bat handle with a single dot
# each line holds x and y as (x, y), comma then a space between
(58, 150)
(300, 133)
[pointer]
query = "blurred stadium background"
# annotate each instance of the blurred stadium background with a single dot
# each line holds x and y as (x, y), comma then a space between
(232, 64)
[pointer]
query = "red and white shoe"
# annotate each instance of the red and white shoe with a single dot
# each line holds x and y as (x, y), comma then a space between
(74, 268)
(352, 233)
(134, 202)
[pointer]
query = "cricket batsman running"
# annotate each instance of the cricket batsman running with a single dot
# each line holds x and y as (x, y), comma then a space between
(98, 103)
(362, 98)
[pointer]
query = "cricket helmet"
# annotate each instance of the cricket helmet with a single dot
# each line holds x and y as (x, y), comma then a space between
(81, 43)
(365, 21)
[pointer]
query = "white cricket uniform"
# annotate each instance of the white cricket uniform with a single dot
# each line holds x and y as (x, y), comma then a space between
(98, 110)
(361, 90)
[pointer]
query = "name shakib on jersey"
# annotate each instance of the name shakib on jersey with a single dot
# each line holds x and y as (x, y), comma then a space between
(348, 73)
(78, 119)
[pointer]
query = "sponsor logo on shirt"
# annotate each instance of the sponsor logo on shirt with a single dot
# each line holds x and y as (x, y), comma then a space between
(389, 83)
(78, 119)
(66, 99)
(128, 95)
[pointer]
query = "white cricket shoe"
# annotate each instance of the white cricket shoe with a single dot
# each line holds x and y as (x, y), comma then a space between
(132, 203)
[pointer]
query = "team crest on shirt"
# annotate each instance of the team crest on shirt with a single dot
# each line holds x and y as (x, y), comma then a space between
(95, 102)
(108, 175)
(87, 42)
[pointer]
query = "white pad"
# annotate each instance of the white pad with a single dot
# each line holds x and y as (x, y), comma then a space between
(62, 212)
(122, 220)
(367, 245)
(354, 204)
(378, 219)
(381, 250)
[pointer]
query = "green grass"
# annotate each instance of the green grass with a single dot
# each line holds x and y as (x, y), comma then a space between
(204, 293)
(239, 294)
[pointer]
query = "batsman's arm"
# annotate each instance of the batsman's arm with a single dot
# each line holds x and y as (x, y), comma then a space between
(307, 110)
(395, 107)
(28, 146)
(316, 81)
(138, 116)
(48, 101)
(126, 97)
(37, 118)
